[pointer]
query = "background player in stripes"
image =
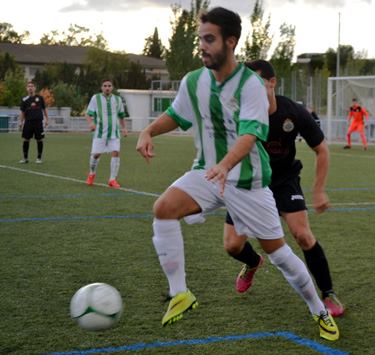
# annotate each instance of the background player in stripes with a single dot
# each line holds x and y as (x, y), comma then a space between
(105, 114)
(227, 106)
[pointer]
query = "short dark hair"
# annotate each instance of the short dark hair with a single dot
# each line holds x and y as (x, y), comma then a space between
(228, 21)
(265, 68)
(104, 80)
(354, 99)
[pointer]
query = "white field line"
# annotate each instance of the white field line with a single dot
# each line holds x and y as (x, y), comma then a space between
(66, 178)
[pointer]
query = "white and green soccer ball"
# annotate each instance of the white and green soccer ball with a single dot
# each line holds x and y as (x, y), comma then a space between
(96, 306)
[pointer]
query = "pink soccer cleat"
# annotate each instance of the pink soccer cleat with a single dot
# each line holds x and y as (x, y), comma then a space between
(245, 277)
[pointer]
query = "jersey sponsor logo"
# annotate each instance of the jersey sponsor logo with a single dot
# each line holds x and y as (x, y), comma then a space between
(37, 99)
(288, 125)
(297, 197)
(233, 104)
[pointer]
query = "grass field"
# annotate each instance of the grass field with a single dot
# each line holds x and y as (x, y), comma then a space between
(57, 234)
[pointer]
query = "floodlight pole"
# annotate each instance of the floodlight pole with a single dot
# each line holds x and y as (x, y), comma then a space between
(338, 71)
(338, 49)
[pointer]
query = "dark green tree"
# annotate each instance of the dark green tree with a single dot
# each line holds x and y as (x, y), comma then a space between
(75, 36)
(14, 88)
(261, 40)
(67, 95)
(9, 35)
(7, 63)
(153, 46)
(183, 53)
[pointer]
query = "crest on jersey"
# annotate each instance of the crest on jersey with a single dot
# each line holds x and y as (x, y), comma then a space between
(232, 104)
(37, 99)
(288, 125)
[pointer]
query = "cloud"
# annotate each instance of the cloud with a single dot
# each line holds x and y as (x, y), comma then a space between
(118, 5)
(330, 3)
(240, 6)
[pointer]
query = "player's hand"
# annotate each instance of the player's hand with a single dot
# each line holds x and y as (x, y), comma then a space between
(45, 124)
(145, 146)
(92, 126)
(320, 202)
(124, 132)
(218, 173)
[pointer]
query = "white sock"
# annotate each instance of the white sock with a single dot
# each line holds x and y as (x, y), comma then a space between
(169, 246)
(295, 272)
(115, 165)
(93, 164)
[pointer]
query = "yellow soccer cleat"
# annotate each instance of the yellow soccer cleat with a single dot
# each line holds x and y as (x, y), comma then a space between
(327, 326)
(178, 305)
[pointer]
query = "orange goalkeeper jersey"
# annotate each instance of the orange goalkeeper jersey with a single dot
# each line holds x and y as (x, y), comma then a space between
(358, 114)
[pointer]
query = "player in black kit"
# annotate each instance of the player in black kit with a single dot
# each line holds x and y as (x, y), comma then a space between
(32, 109)
(288, 119)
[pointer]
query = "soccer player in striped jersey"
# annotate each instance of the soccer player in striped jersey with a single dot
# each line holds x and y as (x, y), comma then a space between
(105, 115)
(226, 105)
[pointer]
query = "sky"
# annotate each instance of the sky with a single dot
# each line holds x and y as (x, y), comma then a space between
(126, 23)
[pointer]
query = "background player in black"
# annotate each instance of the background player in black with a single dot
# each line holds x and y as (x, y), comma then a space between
(288, 119)
(32, 109)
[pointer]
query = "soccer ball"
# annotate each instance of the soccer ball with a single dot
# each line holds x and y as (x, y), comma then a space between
(96, 306)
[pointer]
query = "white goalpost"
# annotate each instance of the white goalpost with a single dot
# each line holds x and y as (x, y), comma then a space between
(341, 91)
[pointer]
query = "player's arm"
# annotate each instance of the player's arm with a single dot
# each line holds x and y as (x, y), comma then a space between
(22, 119)
(162, 124)
(320, 198)
(90, 121)
(123, 126)
(45, 113)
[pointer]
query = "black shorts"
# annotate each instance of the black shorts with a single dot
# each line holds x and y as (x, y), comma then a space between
(288, 197)
(33, 128)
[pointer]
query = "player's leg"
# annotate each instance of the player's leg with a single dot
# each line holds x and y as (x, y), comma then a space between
(291, 202)
(172, 205)
(316, 260)
(348, 137)
(295, 272)
(239, 248)
(96, 149)
(39, 135)
(26, 135)
(257, 216)
(188, 195)
(115, 166)
(361, 131)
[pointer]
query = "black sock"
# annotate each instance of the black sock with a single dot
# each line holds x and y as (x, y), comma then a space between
(248, 256)
(25, 148)
(40, 149)
(318, 266)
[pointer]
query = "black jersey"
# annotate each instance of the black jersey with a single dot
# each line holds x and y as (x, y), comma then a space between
(289, 120)
(32, 107)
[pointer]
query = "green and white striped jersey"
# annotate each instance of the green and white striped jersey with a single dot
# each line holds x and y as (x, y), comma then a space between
(106, 111)
(219, 113)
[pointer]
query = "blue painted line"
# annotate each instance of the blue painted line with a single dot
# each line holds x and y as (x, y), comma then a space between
(145, 216)
(203, 341)
(74, 218)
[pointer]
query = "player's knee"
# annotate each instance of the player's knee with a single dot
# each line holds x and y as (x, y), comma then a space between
(162, 209)
(233, 244)
(304, 238)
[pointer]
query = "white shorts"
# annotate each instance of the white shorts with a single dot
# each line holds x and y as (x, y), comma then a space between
(254, 212)
(102, 145)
